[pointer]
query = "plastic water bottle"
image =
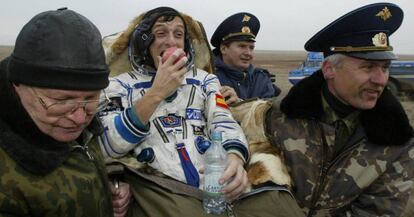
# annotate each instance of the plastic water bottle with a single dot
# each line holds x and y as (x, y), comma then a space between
(215, 162)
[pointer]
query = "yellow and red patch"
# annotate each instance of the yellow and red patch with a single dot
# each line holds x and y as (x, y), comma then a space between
(220, 102)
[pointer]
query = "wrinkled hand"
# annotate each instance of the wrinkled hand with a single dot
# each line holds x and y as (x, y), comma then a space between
(169, 75)
(229, 94)
(235, 176)
(121, 198)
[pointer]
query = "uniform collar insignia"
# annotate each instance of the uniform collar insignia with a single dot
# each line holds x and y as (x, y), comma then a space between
(384, 14)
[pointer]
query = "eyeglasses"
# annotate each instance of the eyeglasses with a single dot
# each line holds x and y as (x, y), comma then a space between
(67, 107)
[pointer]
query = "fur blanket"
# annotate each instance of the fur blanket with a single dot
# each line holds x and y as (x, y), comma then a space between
(266, 161)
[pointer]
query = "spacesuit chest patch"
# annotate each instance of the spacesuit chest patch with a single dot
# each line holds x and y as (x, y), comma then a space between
(192, 114)
(170, 121)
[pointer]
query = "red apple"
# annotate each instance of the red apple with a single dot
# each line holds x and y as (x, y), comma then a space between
(167, 53)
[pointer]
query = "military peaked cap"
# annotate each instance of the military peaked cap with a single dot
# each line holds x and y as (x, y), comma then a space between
(238, 27)
(362, 33)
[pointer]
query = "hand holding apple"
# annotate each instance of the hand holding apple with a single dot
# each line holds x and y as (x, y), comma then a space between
(167, 53)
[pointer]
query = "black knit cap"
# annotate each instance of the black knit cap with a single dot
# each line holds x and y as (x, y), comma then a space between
(59, 49)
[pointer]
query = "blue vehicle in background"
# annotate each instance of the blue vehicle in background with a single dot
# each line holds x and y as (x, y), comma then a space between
(312, 63)
(401, 79)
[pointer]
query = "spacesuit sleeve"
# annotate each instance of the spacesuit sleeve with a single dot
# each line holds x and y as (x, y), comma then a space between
(219, 118)
(123, 131)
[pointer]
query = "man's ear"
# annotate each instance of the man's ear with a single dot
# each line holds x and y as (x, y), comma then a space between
(223, 48)
(328, 70)
(16, 87)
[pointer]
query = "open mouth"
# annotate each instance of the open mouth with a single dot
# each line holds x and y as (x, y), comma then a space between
(372, 93)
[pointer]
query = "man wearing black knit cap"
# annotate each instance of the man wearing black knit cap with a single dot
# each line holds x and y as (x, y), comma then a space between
(50, 85)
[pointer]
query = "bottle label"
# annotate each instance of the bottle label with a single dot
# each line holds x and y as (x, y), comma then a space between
(211, 185)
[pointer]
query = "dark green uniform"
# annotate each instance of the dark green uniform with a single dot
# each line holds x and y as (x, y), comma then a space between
(370, 174)
(74, 184)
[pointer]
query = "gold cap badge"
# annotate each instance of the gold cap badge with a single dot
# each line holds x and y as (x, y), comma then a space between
(380, 40)
(245, 29)
(246, 18)
(384, 14)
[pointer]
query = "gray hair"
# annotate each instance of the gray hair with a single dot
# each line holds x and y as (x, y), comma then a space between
(335, 59)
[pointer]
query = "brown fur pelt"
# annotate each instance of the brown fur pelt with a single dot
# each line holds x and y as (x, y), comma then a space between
(116, 46)
(266, 161)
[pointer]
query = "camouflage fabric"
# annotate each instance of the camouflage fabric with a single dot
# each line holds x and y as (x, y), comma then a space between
(344, 127)
(77, 187)
(371, 175)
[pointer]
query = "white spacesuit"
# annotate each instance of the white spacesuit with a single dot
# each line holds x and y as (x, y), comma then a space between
(178, 133)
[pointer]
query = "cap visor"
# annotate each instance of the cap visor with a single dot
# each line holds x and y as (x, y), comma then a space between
(378, 55)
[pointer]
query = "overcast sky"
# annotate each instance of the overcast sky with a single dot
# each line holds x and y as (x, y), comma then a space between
(285, 25)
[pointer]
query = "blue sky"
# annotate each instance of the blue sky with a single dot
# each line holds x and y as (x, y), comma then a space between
(285, 25)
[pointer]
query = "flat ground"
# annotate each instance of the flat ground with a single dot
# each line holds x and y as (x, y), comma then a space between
(280, 63)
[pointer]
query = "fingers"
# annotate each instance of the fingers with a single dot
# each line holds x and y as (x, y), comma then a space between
(169, 75)
(121, 201)
(237, 185)
(114, 191)
(178, 59)
(236, 178)
(229, 94)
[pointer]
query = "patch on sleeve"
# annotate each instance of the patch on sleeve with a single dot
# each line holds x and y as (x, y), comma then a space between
(193, 114)
(220, 102)
(115, 104)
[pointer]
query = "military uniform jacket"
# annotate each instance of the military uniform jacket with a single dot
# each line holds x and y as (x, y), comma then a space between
(178, 130)
(371, 176)
(40, 182)
(255, 83)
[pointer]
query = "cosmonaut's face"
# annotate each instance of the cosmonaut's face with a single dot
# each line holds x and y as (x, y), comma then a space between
(167, 34)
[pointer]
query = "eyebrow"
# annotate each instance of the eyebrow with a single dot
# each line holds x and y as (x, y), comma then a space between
(165, 24)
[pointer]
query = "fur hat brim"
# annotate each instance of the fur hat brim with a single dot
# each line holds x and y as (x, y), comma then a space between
(116, 46)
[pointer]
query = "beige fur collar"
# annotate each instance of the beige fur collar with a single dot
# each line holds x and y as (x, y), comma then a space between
(116, 45)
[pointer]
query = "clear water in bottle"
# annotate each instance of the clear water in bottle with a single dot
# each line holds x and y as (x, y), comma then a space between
(215, 162)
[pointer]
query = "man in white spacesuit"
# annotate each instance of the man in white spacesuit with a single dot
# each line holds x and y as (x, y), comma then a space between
(163, 112)
(167, 111)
